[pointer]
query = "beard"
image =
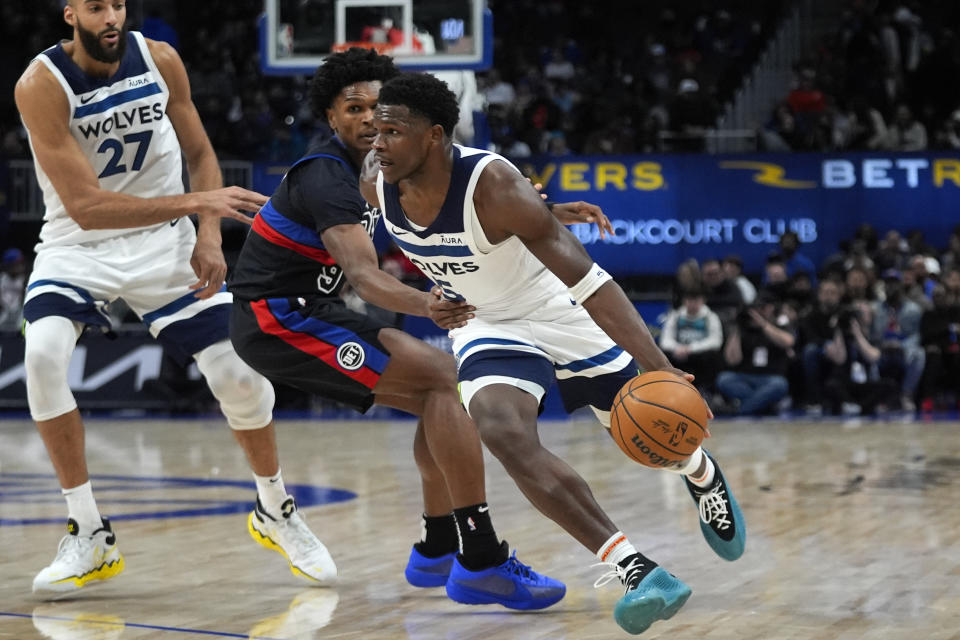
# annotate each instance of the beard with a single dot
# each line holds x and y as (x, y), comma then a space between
(91, 44)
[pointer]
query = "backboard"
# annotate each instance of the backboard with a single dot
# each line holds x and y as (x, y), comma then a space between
(296, 35)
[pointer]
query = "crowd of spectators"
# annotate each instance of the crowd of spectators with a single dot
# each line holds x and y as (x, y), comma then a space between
(567, 78)
(880, 80)
(874, 329)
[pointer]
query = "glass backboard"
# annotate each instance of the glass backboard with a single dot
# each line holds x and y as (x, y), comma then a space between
(296, 35)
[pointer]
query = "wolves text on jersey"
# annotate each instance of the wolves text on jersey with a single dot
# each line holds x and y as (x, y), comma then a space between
(123, 120)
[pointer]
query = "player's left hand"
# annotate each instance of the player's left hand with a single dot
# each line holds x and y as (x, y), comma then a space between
(208, 263)
(689, 377)
(449, 314)
(581, 212)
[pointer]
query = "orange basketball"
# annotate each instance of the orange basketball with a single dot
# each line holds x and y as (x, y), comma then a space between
(658, 419)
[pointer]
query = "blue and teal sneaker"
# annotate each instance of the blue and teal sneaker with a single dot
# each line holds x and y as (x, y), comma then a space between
(655, 595)
(721, 520)
(422, 571)
(512, 584)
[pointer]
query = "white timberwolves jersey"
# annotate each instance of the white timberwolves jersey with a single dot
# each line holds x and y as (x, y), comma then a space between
(122, 127)
(503, 281)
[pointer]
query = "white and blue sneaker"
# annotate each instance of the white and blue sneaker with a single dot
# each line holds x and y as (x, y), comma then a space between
(721, 520)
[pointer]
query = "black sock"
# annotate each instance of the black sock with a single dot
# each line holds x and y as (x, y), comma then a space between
(439, 536)
(641, 568)
(480, 548)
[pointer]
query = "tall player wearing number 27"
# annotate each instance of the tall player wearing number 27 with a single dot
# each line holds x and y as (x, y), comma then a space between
(109, 115)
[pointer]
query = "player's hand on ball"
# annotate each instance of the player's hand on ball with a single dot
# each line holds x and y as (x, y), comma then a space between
(448, 314)
(689, 377)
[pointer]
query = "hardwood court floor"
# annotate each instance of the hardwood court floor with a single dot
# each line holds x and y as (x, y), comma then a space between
(854, 532)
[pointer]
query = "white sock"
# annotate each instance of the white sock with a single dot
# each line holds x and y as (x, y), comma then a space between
(83, 508)
(616, 549)
(705, 479)
(271, 492)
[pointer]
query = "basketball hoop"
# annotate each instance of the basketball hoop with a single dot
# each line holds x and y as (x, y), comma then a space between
(383, 48)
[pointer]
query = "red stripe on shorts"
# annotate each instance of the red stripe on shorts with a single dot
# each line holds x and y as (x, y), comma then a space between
(315, 347)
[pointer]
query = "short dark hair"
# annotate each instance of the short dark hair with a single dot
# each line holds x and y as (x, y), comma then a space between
(426, 96)
(343, 69)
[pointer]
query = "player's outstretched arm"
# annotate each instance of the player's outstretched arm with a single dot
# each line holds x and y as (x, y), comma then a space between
(45, 112)
(350, 246)
(207, 259)
(506, 205)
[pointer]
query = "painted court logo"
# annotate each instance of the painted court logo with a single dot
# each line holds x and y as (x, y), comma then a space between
(350, 356)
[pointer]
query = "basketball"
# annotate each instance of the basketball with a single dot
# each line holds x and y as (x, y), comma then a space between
(658, 419)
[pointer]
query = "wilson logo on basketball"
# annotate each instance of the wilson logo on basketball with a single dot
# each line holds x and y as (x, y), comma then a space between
(651, 458)
(350, 356)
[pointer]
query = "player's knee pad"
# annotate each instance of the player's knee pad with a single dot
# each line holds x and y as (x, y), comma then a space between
(246, 397)
(50, 342)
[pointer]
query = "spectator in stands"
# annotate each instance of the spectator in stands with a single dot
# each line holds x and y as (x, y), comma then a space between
(13, 282)
(800, 292)
(919, 279)
(906, 133)
(692, 338)
(498, 92)
(793, 259)
(775, 277)
(891, 252)
(733, 270)
(757, 350)
(722, 294)
(859, 126)
(854, 385)
(951, 280)
(691, 114)
(558, 67)
(859, 286)
(896, 330)
(948, 136)
(820, 328)
(951, 257)
(780, 132)
(940, 337)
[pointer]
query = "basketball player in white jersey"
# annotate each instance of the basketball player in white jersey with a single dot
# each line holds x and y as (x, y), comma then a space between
(469, 220)
(109, 114)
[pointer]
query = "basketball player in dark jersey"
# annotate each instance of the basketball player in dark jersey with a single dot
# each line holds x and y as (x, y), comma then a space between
(289, 324)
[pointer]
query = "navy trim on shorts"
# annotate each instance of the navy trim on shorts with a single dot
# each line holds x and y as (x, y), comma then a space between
(597, 391)
(171, 308)
(183, 338)
(598, 360)
(512, 364)
(57, 304)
